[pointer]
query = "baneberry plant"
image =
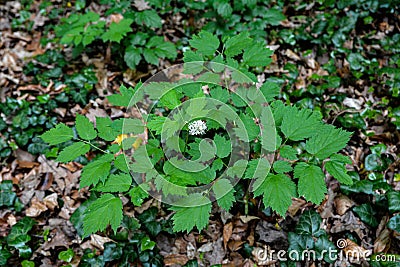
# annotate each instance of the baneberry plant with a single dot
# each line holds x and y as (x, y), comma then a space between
(195, 130)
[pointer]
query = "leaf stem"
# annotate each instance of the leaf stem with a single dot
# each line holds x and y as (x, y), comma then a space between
(96, 147)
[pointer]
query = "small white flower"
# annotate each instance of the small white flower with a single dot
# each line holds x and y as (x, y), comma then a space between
(198, 127)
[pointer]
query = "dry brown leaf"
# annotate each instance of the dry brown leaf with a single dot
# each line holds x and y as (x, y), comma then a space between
(51, 201)
(36, 208)
(354, 252)
(235, 245)
(174, 259)
(297, 203)
(247, 218)
(227, 233)
(99, 241)
(382, 243)
(343, 204)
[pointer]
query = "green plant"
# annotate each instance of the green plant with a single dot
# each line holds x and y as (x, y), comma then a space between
(17, 240)
(178, 149)
(128, 44)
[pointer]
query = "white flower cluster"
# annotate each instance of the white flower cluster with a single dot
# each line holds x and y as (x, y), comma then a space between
(198, 127)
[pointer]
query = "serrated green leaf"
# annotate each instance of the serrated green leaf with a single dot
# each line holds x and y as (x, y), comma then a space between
(103, 211)
(85, 128)
(120, 163)
(166, 50)
(288, 152)
(117, 30)
(191, 211)
(156, 124)
(223, 146)
(171, 99)
(138, 194)
(257, 55)
(326, 141)
(337, 169)
(235, 44)
(116, 183)
(311, 182)
(193, 62)
(299, 124)
(123, 99)
(257, 168)
(224, 193)
(366, 214)
(220, 94)
(105, 131)
(277, 191)
(270, 90)
(150, 56)
(73, 151)
(249, 130)
(96, 171)
(205, 43)
(281, 166)
(61, 133)
(149, 18)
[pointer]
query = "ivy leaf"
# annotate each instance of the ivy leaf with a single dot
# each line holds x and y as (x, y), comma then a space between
(311, 182)
(85, 128)
(235, 44)
(117, 30)
(103, 211)
(116, 183)
(73, 151)
(224, 193)
(299, 124)
(366, 214)
(205, 43)
(394, 201)
(394, 223)
(61, 133)
(191, 211)
(337, 168)
(327, 141)
(257, 55)
(223, 146)
(278, 191)
(96, 171)
(310, 224)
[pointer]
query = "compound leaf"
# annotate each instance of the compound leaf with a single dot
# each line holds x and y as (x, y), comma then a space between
(96, 171)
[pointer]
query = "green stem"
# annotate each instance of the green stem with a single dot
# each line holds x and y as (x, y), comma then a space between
(96, 147)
